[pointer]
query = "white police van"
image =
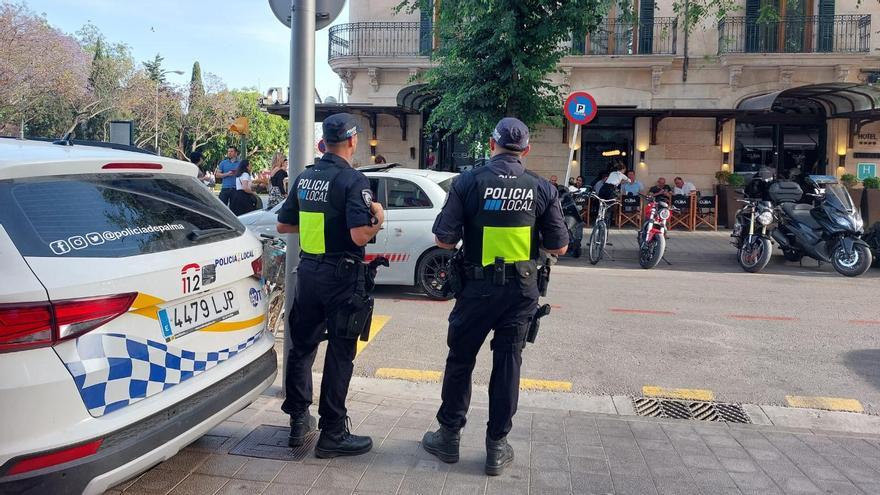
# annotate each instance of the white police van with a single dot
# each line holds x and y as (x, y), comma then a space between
(132, 315)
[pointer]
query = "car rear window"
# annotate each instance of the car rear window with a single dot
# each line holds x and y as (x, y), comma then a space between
(111, 216)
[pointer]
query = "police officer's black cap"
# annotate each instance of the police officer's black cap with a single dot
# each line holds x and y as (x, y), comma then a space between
(511, 134)
(339, 127)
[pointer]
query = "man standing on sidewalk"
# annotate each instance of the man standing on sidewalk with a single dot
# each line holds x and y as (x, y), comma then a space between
(226, 172)
(503, 213)
(333, 211)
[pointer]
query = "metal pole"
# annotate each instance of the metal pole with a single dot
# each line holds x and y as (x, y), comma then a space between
(156, 138)
(571, 146)
(302, 130)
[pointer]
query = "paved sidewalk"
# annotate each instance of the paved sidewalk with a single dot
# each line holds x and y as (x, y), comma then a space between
(681, 246)
(557, 452)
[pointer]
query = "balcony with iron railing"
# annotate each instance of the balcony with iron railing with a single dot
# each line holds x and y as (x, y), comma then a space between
(411, 39)
(795, 34)
(619, 37)
(379, 39)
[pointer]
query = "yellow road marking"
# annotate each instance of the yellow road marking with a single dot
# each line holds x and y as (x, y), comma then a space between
(678, 393)
(529, 384)
(411, 375)
(829, 403)
(378, 324)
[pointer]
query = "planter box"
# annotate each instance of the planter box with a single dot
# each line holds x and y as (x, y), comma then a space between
(871, 206)
(727, 204)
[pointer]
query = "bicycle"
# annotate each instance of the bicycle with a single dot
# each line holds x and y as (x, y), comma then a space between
(599, 236)
(274, 263)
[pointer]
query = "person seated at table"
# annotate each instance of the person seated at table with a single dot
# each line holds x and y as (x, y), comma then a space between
(633, 187)
(578, 183)
(661, 189)
(683, 188)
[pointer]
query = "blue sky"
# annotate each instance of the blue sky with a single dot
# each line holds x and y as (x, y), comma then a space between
(240, 41)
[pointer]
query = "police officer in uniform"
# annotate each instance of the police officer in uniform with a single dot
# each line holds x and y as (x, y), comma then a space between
(333, 211)
(503, 213)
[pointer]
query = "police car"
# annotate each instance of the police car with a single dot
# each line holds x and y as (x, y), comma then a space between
(132, 315)
(412, 200)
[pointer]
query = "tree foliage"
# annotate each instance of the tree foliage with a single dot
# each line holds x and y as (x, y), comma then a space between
(90, 81)
(496, 57)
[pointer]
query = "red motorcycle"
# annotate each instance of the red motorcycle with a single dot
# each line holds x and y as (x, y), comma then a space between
(652, 236)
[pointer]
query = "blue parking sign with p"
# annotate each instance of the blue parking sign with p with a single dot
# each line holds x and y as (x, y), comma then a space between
(580, 108)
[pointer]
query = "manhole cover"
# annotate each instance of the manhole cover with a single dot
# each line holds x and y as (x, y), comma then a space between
(270, 442)
(687, 409)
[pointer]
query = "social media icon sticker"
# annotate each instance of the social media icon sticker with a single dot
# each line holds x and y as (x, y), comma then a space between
(78, 242)
(59, 247)
(95, 239)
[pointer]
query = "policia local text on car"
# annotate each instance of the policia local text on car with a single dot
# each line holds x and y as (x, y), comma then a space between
(502, 213)
(333, 211)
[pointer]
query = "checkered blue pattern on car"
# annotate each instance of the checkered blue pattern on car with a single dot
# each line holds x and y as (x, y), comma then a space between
(113, 370)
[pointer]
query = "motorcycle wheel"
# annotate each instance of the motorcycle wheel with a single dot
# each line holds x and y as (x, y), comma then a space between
(651, 253)
(754, 256)
(853, 265)
(597, 242)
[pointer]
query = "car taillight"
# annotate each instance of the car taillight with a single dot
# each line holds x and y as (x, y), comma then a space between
(41, 461)
(29, 325)
(257, 265)
(23, 326)
(78, 316)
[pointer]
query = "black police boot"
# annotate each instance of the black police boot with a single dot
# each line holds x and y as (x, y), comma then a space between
(499, 455)
(443, 443)
(300, 426)
(338, 442)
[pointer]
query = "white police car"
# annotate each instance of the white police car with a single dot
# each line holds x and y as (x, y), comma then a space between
(132, 317)
(412, 200)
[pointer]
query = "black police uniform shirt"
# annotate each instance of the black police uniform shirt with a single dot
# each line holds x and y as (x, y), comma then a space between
(350, 193)
(463, 198)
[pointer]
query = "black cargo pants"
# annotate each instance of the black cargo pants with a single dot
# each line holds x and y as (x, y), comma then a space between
(320, 288)
(481, 307)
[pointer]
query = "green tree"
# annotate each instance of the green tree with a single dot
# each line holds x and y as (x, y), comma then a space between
(268, 133)
(496, 58)
(154, 69)
(196, 87)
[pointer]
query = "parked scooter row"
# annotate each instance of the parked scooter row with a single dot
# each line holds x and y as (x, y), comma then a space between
(828, 230)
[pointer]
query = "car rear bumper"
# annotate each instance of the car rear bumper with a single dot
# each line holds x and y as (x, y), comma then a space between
(140, 446)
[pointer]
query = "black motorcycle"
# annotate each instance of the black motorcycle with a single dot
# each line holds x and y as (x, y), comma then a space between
(751, 234)
(572, 207)
(829, 230)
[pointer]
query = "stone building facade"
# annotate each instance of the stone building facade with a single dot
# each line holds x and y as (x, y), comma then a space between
(664, 110)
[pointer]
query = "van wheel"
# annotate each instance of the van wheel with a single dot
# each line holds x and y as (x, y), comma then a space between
(431, 273)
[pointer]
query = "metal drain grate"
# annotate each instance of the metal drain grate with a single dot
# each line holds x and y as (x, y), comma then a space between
(687, 409)
(270, 442)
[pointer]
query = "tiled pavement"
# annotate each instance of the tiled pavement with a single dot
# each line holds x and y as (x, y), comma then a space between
(557, 452)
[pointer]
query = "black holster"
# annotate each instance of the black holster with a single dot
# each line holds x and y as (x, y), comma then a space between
(544, 278)
(455, 276)
(352, 319)
(535, 323)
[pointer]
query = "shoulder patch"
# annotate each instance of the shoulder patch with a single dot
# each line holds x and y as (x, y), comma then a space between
(367, 195)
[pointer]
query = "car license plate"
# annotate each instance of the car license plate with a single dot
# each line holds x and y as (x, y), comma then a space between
(184, 318)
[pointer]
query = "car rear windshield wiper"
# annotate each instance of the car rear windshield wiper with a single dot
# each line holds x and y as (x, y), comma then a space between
(201, 235)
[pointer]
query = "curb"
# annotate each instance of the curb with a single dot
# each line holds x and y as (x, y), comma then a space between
(776, 417)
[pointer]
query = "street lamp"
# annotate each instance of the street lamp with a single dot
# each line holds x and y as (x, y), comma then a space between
(158, 83)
